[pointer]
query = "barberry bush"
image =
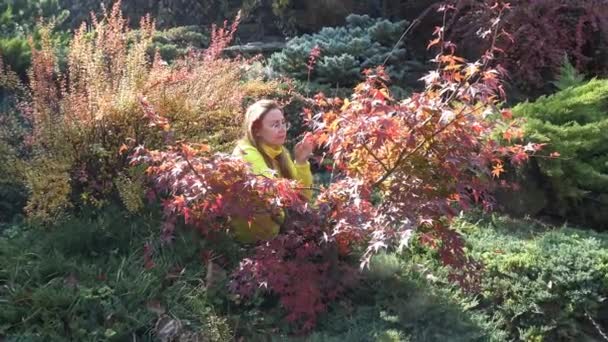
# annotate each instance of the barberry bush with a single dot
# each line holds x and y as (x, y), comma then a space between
(84, 118)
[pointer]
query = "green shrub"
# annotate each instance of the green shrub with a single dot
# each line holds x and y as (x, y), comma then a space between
(18, 21)
(345, 52)
(20, 16)
(174, 43)
(541, 284)
(13, 195)
(574, 123)
(15, 51)
(88, 282)
(568, 76)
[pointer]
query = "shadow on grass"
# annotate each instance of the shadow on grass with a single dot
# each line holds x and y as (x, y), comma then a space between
(394, 304)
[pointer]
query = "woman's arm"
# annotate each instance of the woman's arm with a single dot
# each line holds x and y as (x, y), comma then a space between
(304, 175)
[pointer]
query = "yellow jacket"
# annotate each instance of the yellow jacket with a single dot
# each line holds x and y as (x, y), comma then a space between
(263, 227)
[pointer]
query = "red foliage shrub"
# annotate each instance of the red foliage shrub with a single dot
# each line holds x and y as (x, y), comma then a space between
(540, 34)
(301, 266)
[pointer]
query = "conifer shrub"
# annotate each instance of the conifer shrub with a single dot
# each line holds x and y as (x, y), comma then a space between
(397, 302)
(175, 42)
(574, 123)
(16, 53)
(344, 52)
(568, 76)
(103, 276)
(541, 283)
(106, 275)
(18, 20)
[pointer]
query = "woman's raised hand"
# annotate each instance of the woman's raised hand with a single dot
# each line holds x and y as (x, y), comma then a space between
(303, 149)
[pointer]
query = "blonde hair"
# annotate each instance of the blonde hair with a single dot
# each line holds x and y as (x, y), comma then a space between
(253, 121)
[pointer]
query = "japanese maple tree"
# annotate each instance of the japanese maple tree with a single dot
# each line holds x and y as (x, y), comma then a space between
(429, 156)
(402, 168)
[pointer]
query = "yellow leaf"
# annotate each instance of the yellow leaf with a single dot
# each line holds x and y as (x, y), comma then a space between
(345, 105)
(384, 92)
(360, 87)
(453, 67)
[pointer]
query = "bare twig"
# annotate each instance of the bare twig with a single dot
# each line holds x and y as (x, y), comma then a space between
(414, 23)
(597, 326)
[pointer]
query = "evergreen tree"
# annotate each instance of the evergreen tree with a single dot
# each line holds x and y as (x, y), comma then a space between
(346, 51)
(574, 122)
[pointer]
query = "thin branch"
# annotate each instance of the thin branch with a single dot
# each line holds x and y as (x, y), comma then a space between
(196, 173)
(414, 23)
(597, 326)
(404, 156)
(375, 157)
(314, 188)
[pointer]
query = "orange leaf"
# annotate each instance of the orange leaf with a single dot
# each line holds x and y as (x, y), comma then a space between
(123, 148)
(188, 151)
(322, 139)
(433, 42)
(497, 170)
(202, 147)
(477, 127)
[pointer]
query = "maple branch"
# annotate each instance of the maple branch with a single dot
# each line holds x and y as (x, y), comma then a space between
(375, 157)
(414, 23)
(314, 188)
(483, 67)
(403, 156)
(549, 157)
(596, 325)
(196, 173)
(297, 187)
(265, 211)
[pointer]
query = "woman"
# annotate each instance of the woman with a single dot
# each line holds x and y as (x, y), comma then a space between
(265, 131)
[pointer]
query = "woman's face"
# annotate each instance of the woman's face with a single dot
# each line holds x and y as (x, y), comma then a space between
(273, 128)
